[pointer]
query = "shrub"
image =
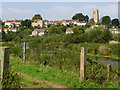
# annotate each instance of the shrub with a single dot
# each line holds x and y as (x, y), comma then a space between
(11, 80)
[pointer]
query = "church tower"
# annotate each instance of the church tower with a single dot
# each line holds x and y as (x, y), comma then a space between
(96, 15)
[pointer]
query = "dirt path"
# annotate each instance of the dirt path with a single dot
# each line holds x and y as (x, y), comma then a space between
(36, 83)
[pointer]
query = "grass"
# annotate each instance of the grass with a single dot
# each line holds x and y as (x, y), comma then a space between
(55, 75)
(69, 79)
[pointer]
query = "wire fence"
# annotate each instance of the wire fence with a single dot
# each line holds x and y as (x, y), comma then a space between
(70, 60)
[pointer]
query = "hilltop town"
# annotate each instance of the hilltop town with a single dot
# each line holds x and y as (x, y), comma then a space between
(40, 26)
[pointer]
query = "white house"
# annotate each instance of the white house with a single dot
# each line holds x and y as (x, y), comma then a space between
(9, 29)
(11, 23)
(38, 32)
(65, 22)
(69, 30)
(81, 23)
(41, 23)
(116, 31)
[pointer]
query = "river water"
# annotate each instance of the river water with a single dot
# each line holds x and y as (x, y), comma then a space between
(113, 62)
(104, 60)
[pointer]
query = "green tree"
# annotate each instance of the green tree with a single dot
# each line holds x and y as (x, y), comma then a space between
(80, 17)
(98, 23)
(3, 36)
(36, 17)
(91, 21)
(63, 28)
(52, 29)
(106, 20)
(78, 30)
(115, 22)
(26, 23)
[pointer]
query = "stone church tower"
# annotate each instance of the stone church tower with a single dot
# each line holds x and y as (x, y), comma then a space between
(96, 15)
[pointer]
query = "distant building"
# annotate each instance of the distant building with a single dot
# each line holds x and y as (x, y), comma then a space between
(11, 23)
(45, 23)
(9, 29)
(96, 15)
(41, 23)
(38, 32)
(81, 23)
(55, 22)
(115, 31)
(69, 30)
(67, 22)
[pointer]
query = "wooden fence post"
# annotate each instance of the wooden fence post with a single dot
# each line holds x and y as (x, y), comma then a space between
(4, 61)
(108, 72)
(82, 63)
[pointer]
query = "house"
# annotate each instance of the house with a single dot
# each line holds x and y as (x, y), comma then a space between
(38, 32)
(9, 29)
(81, 23)
(55, 22)
(115, 31)
(41, 23)
(45, 23)
(69, 30)
(13, 29)
(65, 22)
(11, 23)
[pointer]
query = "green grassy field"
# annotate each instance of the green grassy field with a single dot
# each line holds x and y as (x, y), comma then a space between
(34, 75)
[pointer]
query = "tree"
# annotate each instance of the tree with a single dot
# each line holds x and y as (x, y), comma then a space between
(80, 17)
(36, 17)
(115, 22)
(26, 23)
(3, 35)
(78, 30)
(98, 23)
(63, 28)
(91, 21)
(106, 20)
(52, 29)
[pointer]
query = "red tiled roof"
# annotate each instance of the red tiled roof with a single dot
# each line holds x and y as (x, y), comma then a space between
(13, 20)
(57, 21)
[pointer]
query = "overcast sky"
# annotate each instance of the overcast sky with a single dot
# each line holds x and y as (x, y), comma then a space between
(56, 10)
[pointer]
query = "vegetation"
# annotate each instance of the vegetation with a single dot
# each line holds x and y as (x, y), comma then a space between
(115, 22)
(65, 77)
(80, 17)
(36, 17)
(11, 80)
(56, 56)
(91, 21)
(106, 20)
(26, 23)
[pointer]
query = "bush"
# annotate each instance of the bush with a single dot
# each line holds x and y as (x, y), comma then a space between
(11, 80)
(98, 35)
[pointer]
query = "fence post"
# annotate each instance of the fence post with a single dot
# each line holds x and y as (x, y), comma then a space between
(108, 72)
(4, 61)
(82, 63)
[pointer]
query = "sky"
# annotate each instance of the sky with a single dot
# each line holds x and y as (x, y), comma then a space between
(56, 10)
